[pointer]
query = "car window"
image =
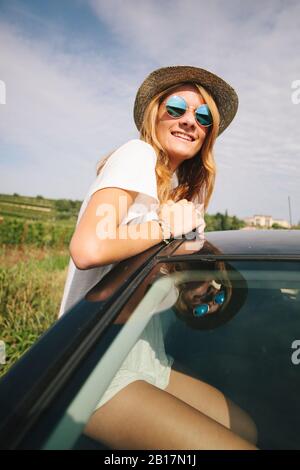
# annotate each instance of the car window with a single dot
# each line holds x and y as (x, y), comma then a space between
(143, 320)
(254, 358)
(231, 324)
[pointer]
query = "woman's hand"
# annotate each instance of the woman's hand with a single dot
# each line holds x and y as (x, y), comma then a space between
(182, 216)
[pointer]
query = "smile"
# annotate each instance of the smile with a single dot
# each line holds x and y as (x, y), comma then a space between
(180, 135)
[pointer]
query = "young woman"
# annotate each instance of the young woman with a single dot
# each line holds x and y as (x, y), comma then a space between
(147, 191)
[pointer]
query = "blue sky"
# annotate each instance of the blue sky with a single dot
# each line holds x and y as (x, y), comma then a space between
(72, 69)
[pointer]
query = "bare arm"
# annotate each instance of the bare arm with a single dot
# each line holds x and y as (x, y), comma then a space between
(96, 243)
(115, 250)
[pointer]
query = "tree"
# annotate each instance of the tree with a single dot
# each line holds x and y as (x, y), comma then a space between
(277, 226)
(226, 225)
(63, 205)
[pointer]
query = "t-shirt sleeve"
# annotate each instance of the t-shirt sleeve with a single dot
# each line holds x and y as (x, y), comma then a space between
(131, 167)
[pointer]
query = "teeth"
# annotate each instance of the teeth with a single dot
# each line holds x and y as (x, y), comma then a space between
(183, 136)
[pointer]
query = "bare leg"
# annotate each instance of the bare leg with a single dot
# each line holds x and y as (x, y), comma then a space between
(211, 402)
(142, 416)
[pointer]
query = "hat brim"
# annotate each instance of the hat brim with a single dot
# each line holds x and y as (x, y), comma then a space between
(224, 95)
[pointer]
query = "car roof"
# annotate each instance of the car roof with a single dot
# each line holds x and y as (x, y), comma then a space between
(249, 243)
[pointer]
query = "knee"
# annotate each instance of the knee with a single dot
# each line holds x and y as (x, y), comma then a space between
(251, 433)
(242, 423)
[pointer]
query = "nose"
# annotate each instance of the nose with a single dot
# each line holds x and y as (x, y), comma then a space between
(204, 297)
(188, 119)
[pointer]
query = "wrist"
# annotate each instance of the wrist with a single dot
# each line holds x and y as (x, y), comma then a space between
(165, 230)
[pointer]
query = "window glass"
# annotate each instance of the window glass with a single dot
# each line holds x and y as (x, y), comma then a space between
(234, 325)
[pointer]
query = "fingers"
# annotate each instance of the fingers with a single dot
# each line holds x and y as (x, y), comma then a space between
(183, 201)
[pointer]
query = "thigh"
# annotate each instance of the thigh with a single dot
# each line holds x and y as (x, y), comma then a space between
(142, 416)
(211, 402)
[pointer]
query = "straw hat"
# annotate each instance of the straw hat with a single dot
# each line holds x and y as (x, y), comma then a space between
(224, 95)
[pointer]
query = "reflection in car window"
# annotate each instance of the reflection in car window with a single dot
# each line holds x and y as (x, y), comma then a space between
(231, 325)
(250, 357)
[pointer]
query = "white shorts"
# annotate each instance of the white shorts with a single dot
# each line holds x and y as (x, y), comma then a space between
(146, 361)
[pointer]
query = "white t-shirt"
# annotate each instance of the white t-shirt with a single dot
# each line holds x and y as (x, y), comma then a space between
(132, 167)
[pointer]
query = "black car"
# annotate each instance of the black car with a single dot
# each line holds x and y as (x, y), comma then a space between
(242, 335)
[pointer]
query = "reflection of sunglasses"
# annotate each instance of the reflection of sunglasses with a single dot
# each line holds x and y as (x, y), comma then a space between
(176, 107)
(202, 309)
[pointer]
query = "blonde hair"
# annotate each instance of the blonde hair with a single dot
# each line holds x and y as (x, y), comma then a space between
(196, 176)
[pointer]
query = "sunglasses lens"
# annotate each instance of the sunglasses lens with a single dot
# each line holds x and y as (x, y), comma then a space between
(201, 310)
(176, 106)
(204, 116)
(220, 297)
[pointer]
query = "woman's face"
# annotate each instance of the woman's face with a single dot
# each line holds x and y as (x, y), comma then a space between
(199, 293)
(178, 148)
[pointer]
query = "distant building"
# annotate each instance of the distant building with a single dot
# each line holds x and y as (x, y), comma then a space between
(265, 221)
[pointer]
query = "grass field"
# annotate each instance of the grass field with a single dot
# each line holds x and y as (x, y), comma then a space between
(34, 239)
(31, 287)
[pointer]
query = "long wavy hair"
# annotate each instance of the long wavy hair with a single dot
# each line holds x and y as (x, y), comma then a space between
(196, 176)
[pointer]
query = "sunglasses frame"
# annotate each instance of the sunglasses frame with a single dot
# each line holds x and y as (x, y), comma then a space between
(188, 107)
(208, 308)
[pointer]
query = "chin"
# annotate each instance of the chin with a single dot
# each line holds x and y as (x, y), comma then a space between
(182, 157)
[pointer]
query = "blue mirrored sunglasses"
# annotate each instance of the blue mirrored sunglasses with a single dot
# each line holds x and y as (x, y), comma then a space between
(202, 309)
(176, 107)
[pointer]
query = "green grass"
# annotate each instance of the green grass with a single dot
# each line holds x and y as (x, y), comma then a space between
(31, 288)
(33, 267)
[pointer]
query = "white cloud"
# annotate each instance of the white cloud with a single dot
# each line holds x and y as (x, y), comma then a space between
(60, 111)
